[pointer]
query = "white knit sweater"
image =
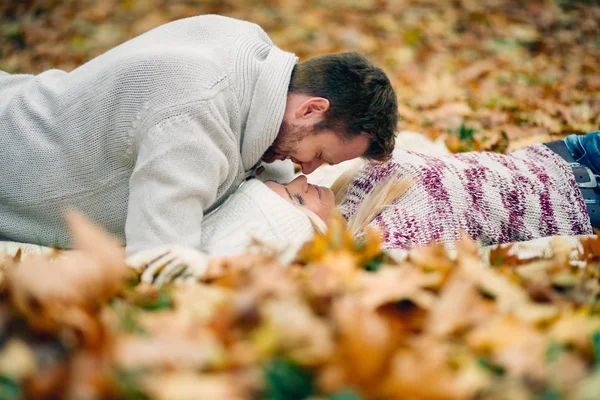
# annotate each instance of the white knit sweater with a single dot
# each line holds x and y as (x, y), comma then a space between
(145, 138)
(255, 213)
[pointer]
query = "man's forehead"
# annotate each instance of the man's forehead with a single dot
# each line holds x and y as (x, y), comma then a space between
(346, 149)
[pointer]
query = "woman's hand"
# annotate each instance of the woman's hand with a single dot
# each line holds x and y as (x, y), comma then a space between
(168, 263)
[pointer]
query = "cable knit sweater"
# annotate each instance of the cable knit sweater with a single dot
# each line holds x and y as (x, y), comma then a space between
(145, 138)
(494, 198)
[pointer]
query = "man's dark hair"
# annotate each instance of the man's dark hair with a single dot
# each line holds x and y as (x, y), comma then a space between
(360, 95)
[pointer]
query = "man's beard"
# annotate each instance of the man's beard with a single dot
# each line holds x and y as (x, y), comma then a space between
(286, 142)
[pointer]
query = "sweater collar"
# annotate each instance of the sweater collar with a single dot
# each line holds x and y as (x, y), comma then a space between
(268, 105)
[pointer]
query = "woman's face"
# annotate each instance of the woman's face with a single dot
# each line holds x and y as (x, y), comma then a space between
(317, 199)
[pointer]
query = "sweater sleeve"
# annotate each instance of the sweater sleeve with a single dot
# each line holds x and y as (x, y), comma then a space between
(181, 163)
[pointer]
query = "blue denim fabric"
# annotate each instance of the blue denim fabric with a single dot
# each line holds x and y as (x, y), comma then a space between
(585, 149)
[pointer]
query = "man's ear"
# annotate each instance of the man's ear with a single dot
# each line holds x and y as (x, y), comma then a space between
(312, 107)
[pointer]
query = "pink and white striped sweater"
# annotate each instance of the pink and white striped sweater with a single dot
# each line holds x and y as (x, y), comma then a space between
(495, 198)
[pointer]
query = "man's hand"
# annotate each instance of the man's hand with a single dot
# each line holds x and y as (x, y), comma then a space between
(167, 263)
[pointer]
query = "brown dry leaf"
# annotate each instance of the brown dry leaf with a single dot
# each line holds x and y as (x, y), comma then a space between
(321, 281)
(234, 271)
(448, 111)
(171, 323)
(477, 69)
(458, 307)
(438, 89)
(575, 329)
(93, 240)
(543, 119)
(508, 296)
(68, 290)
(491, 118)
(200, 302)
(515, 345)
(591, 248)
(422, 371)
(505, 255)
(338, 238)
(396, 284)
(344, 263)
(192, 386)
(201, 351)
(365, 344)
(432, 258)
(151, 20)
(271, 280)
(89, 376)
(407, 113)
(290, 326)
(568, 370)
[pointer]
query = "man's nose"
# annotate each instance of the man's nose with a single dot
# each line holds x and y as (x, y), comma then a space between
(307, 168)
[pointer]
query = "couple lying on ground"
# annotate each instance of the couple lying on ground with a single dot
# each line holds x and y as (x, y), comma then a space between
(413, 199)
(148, 137)
(417, 199)
(494, 198)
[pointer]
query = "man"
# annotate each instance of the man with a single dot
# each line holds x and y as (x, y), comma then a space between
(150, 136)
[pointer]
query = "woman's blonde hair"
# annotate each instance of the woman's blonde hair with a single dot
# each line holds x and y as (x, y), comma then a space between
(374, 203)
(317, 223)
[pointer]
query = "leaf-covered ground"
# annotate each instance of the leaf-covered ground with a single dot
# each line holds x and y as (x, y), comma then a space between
(345, 321)
(528, 69)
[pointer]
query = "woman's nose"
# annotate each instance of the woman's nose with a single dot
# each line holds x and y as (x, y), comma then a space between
(301, 182)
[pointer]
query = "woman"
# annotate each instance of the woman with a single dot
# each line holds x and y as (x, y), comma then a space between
(494, 198)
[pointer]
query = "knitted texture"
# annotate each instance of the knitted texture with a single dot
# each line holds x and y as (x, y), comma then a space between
(255, 212)
(494, 198)
(145, 138)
